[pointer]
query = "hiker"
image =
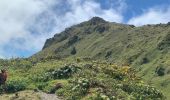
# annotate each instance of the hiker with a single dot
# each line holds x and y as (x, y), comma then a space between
(3, 77)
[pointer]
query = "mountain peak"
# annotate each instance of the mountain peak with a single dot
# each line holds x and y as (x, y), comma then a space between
(96, 20)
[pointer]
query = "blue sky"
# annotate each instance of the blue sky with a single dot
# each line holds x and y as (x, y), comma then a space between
(136, 7)
(26, 24)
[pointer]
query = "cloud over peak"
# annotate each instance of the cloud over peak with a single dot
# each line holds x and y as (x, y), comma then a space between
(26, 24)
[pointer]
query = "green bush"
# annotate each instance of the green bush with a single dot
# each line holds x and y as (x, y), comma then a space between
(15, 85)
(1, 89)
(160, 70)
(42, 85)
(142, 91)
(64, 72)
(81, 83)
(73, 51)
(41, 77)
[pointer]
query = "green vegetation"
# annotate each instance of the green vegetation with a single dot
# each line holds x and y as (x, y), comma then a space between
(77, 63)
(80, 79)
(21, 95)
(15, 85)
(144, 48)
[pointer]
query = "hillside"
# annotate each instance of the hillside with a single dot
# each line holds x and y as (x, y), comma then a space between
(74, 80)
(96, 60)
(99, 39)
(146, 48)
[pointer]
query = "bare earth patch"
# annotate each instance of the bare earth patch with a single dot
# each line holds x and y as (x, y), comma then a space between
(45, 96)
(22, 95)
(29, 95)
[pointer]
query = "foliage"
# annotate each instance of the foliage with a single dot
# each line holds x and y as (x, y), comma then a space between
(142, 91)
(64, 72)
(15, 85)
(41, 85)
(73, 51)
(141, 48)
(95, 80)
(110, 82)
(160, 70)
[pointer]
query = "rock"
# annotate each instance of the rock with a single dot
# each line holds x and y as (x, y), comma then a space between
(35, 90)
(73, 40)
(100, 29)
(56, 87)
(132, 26)
(96, 20)
(16, 95)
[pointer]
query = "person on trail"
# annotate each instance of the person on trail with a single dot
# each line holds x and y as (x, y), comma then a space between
(3, 77)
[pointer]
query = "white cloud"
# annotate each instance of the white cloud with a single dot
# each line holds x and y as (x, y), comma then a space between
(81, 12)
(26, 24)
(154, 15)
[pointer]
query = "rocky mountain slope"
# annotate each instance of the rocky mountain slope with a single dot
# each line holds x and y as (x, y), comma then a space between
(120, 43)
(146, 48)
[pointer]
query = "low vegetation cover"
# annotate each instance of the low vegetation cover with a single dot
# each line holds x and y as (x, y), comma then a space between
(75, 80)
(54, 70)
(145, 48)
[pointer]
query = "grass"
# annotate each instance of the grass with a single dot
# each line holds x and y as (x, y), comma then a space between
(82, 80)
(143, 48)
(22, 95)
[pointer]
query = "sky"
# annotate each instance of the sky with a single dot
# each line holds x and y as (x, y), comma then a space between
(26, 24)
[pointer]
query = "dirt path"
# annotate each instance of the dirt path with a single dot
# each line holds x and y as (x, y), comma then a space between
(45, 96)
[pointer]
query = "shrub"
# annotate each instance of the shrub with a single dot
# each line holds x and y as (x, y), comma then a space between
(108, 54)
(160, 71)
(1, 89)
(42, 85)
(164, 44)
(79, 88)
(142, 91)
(145, 60)
(78, 60)
(81, 83)
(15, 85)
(111, 82)
(41, 77)
(64, 72)
(73, 51)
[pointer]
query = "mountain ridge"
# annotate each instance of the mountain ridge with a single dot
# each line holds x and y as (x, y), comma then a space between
(91, 22)
(99, 28)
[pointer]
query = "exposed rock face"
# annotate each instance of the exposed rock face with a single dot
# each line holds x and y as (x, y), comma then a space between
(96, 20)
(69, 31)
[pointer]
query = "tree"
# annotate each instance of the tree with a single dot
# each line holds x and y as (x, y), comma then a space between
(73, 51)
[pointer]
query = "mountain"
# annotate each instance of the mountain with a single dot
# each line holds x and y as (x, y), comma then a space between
(95, 60)
(120, 43)
(146, 48)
